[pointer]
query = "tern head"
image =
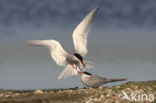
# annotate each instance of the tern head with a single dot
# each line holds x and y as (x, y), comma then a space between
(80, 58)
(84, 73)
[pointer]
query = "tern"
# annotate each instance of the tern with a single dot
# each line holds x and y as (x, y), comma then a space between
(95, 81)
(71, 61)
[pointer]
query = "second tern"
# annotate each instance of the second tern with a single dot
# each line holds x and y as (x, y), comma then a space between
(95, 81)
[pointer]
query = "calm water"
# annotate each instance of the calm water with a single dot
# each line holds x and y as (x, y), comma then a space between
(121, 44)
(23, 67)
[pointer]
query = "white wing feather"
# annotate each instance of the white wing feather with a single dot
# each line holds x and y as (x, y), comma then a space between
(81, 32)
(68, 71)
(55, 49)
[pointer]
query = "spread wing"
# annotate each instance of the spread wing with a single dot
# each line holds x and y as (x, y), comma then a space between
(68, 71)
(55, 49)
(81, 32)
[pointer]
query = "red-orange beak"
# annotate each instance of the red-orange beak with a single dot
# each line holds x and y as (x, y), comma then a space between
(80, 73)
(83, 63)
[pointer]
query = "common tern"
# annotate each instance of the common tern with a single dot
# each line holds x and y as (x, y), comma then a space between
(95, 81)
(73, 61)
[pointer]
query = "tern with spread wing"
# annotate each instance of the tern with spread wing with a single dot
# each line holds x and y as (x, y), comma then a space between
(73, 61)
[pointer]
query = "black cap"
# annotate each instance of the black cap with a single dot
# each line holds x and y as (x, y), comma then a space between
(78, 56)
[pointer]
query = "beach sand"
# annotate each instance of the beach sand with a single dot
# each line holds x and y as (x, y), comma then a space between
(83, 95)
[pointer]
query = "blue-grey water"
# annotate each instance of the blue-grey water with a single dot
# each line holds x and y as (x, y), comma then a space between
(122, 41)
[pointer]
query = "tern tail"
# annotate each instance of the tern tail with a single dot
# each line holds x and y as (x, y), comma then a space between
(35, 43)
(115, 80)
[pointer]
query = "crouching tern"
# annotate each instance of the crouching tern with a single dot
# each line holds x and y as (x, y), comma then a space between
(73, 61)
(95, 81)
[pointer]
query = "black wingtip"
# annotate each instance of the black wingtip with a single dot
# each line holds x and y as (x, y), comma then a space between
(100, 4)
(97, 8)
(115, 80)
(87, 73)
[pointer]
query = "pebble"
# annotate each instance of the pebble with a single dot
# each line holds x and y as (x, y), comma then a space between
(89, 95)
(117, 87)
(38, 91)
(100, 88)
(16, 94)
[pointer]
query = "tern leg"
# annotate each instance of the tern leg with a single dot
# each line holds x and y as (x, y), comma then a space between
(74, 66)
(94, 87)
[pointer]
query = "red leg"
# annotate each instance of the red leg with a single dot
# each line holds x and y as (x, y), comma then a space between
(94, 87)
(74, 66)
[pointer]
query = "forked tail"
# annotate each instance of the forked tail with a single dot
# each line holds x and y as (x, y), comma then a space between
(116, 80)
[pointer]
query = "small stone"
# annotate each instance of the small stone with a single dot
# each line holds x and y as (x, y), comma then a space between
(70, 91)
(38, 91)
(100, 88)
(16, 94)
(60, 91)
(96, 99)
(51, 92)
(117, 87)
(136, 87)
(102, 96)
(107, 95)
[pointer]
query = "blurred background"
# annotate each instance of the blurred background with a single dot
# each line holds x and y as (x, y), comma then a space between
(122, 41)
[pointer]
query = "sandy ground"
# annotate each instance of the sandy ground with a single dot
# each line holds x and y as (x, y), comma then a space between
(137, 92)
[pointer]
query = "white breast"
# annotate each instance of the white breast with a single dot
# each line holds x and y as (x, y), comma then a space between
(85, 80)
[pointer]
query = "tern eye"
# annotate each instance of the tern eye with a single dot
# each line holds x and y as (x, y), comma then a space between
(78, 56)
